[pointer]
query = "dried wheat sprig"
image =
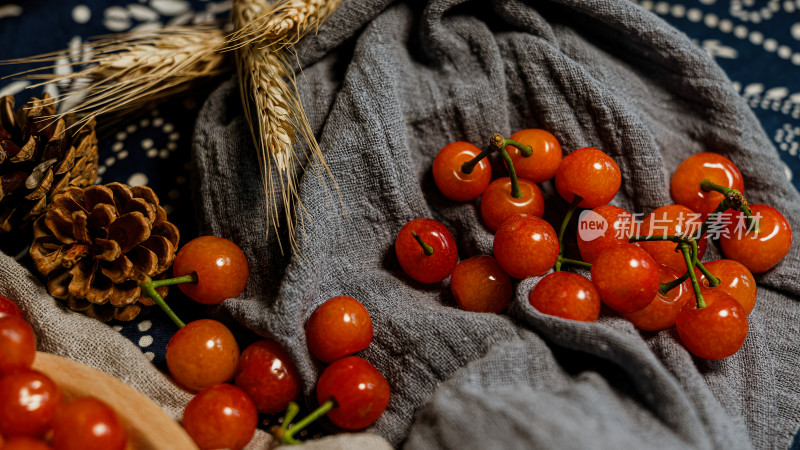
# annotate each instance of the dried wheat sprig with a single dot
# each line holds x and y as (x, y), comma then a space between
(128, 69)
(283, 23)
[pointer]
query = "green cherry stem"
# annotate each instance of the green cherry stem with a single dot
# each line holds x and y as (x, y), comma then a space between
(149, 286)
(427, 249)
(291, 412)
(735, 200)
(572, 207)
(575, 262)
(288, 436)
(524, 150)
(516, 192)
(689, 258)
(712, 280)
(469, 166)
(666, 287)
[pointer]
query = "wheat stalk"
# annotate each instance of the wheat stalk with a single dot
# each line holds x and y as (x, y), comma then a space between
(282, 23)
(128, 69)
(277, 120)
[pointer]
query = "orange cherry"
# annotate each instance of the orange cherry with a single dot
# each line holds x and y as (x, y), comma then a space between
(685, 184)
(762, 249)
(543, 162)
(589, 173)
(665, 221)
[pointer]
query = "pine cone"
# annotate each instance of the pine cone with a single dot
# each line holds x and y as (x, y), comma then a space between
(95, 245)
(40, 157)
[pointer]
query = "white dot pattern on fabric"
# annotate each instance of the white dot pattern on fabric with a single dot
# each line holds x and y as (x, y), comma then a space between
(149, 355)
(144, 325)
(81, 13)
(145, 341)
(138, 179)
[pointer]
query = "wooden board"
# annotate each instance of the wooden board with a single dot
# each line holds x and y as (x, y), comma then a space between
(148, 426)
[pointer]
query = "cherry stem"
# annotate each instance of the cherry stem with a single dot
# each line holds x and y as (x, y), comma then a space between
(712, 280)
(149, 287)
(323, 409)
(516, 192)
(291, 412)
(427, 249)
(576, 262)
(690, 259)
(524, 150)
(734, 198)
(469, 166)
(572, 207)
(666, 287)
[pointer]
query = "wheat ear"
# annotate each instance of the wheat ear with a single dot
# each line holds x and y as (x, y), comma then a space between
(128, 69)
(283, 23)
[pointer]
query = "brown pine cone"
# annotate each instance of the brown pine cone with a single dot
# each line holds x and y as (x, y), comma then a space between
(96, 244)
(40, 157)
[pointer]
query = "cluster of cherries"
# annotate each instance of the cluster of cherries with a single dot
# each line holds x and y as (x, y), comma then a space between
(203, 357)
(33, 413)
(647, 271)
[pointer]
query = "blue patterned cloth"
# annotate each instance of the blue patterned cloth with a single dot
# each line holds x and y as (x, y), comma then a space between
(757, 42)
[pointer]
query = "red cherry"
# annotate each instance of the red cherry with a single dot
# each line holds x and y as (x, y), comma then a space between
(543, 162)
(589, 173)
(762, 249)
(17, 345)
(603, 227)
(734, 279)
(497, 204)
(28, 403)
(419, 266)
(660, 314)
(451, 181)
(525, 246)
(668, 220)
(220, 265)
(716, 331)
(24, 443)
(202, 354)
(87, 423)
(685, 185)
(9, 308)
(339, 327)
(220, 416)
(360, 391)
(479, 284)
(626, 277)
(566, 295)
(267, 374)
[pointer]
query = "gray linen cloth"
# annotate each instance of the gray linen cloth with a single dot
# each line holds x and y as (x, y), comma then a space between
(386, 85)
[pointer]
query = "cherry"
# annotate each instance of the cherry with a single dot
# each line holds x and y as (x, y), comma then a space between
(267, 374)
(339, 327)
(497, 203)
(566, 295)
(668, 220)
(762, 249)
(202, 354)
(716, 331)
(660, 314)
(603, 227)
(525, 246)
(220, 265)
(454, 183)
(28, 403)
(430, 259)
(590, 174)
(17, 345)
(479, 284)
(685, 184)
(220, 416)
(734, 279)
(24, 443)
(626, 277)
(358, 389)
(87, 423)
(543, 162)
(9, 308)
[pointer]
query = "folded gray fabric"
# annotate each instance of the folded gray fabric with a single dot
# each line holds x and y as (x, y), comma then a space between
(386, 85)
